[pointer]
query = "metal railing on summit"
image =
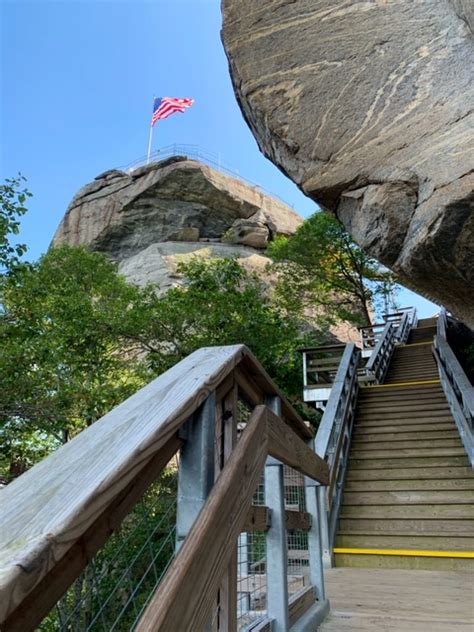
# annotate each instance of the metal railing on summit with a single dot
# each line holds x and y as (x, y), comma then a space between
(195, 152)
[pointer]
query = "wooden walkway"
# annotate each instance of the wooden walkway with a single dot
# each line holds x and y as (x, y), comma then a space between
(393, 600)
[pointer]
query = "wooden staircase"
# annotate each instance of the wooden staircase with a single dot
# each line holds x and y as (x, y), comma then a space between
(409, 493)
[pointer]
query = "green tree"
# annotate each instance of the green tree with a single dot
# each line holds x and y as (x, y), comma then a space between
(221, 303)
(320, 266)
(67, 359)
(13, 196)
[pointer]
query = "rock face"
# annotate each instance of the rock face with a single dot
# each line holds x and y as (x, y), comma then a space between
(151, 219)
(368, 106)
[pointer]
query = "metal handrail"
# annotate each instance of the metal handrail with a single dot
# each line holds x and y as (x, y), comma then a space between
(197, 153)
(407, 322)
(333, 438)
(457, 387)
(378, 362)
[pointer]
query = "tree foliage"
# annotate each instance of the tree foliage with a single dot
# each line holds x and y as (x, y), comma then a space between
(77, 340)
(13, 196)
(63, 328)
(320, 266)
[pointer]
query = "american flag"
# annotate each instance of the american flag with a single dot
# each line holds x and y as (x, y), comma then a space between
(165, 106)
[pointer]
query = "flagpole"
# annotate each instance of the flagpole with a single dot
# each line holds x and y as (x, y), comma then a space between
(149, 145)
(150, 136)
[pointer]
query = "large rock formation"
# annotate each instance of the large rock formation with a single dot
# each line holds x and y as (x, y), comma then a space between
(153, 218)
(367, 106)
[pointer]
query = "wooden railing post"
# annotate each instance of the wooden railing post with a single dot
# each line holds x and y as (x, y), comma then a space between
(226, 436)
(277, 554)
(196, 467)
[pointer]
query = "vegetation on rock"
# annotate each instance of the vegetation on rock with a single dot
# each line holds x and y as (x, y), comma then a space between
(322, 267)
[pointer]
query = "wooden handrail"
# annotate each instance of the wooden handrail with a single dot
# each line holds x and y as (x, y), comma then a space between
(49, 511)
(197, 570)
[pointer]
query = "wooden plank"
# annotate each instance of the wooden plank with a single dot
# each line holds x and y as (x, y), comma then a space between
(259, 519)
(407, 526)
(43, 597)
(228, 589)
(298, 520)
(300, 603)
(408, 473)
(49, 507)
(427, 497)
(407, 511)
(196, 572)
(287, 447)
(257, 374)
(398, 601)
(414, 484)
(407, 541)
(248, 390)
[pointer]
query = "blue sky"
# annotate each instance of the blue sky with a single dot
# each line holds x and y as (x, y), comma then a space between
(77, 84)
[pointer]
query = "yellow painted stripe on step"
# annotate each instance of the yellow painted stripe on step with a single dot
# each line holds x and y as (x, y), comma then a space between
(406, 553)
(397, 384)
(416, 344)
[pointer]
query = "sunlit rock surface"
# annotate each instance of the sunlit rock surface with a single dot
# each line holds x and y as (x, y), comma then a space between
(162, 214)
(368, 107)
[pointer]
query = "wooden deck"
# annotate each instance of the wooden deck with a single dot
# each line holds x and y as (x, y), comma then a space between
(392, 600)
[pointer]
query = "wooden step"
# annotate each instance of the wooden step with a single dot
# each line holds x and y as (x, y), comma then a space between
(416, 351)
(361, 444)
(420, 542)
(408, 526)
(411, 484)
(402, 407)
(393, 398)
(407, 462)
(391, 453)
(393, 378)
(423, 373)
(420, 369)
(404, 562)
(401, 391)
(393, 416)
(437, 472)
(418, 361)
(406, 426)
(410, 373)
(374, 437)
(425, 497)
(411, 360)
(426, 322)
(379, 395)
(411, 512)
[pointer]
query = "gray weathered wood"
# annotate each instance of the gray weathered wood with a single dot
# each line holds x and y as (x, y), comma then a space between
(228, 587)
(48, 508)
(46, 593)
(197, 571)
(259, 519)
(393, 600)
(287, 447)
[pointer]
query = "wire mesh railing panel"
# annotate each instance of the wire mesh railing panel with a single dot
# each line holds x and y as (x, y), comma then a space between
(297, 539)
(294, 490)
(251, 579)
(116, 586)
